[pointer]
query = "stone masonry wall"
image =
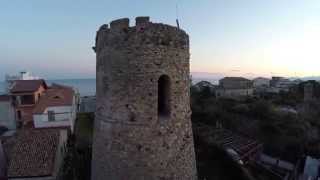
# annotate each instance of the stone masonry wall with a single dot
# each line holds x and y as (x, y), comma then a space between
(131, 142)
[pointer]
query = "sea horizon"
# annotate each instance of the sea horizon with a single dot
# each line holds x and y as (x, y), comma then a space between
(87, 86)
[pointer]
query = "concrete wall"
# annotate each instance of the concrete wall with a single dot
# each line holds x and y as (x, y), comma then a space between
(7, 115)
(131, 141)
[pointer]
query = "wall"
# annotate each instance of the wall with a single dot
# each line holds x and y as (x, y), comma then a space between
(7, 115)
(27, 110)
(36, 94)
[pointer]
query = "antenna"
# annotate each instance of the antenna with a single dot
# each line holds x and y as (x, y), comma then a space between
(177, 15)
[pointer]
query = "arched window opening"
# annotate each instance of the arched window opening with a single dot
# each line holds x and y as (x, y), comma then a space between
(164, 96)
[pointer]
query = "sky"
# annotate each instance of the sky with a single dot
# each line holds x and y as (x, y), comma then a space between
(54, 39)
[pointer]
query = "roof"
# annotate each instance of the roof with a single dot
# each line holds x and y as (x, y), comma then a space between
(56, 95)
(244, 146)
(32, 152)
(234, 79)
(261, 78)
(27, 85)
(4, 98)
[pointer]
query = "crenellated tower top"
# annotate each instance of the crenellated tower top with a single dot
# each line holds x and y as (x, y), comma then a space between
(144, 32)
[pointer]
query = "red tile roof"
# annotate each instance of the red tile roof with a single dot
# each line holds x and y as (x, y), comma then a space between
(27, 85)
(32, 152)
(4, 98)
(56, 95)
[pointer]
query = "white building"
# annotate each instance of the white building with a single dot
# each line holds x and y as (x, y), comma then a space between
(56, 108)
(234, 87)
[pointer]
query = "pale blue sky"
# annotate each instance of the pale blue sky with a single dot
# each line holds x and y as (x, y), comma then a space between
(53, 39)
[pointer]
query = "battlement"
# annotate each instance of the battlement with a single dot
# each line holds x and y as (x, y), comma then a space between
(119, 24)
(144, 32)
(124, 23)
(142, 20)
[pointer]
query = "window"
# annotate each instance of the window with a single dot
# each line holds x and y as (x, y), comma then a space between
(27, 99)
(51, 116)
(164, 96)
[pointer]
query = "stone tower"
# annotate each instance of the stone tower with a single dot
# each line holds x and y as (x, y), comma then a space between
(142, 128)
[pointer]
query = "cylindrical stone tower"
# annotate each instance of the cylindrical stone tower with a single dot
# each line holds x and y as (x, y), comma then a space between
(142, 129)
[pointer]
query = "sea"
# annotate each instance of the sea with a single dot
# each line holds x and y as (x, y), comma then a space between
(86, 87)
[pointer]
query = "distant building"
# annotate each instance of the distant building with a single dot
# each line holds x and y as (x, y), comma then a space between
(24, 75)
(234, 87)
(278, 84)
(261, 82)
(35, 154)
(88, 104)
(25, 95)
(57, 107)
(7, 113)
(205, 84)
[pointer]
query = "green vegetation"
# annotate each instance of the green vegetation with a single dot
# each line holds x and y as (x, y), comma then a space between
(285, 134)
(84, 129)
(77, 161)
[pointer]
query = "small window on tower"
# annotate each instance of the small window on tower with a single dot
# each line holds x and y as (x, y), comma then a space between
(164, 96)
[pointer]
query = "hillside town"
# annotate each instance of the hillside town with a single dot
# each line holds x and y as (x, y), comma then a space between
(38, 120)
(146, 119)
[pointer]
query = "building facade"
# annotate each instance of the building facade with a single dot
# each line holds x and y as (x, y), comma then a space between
(234, 87)
(280, 84)
(25, 95)
(142, 128)
(261, 82)
(56, 108)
